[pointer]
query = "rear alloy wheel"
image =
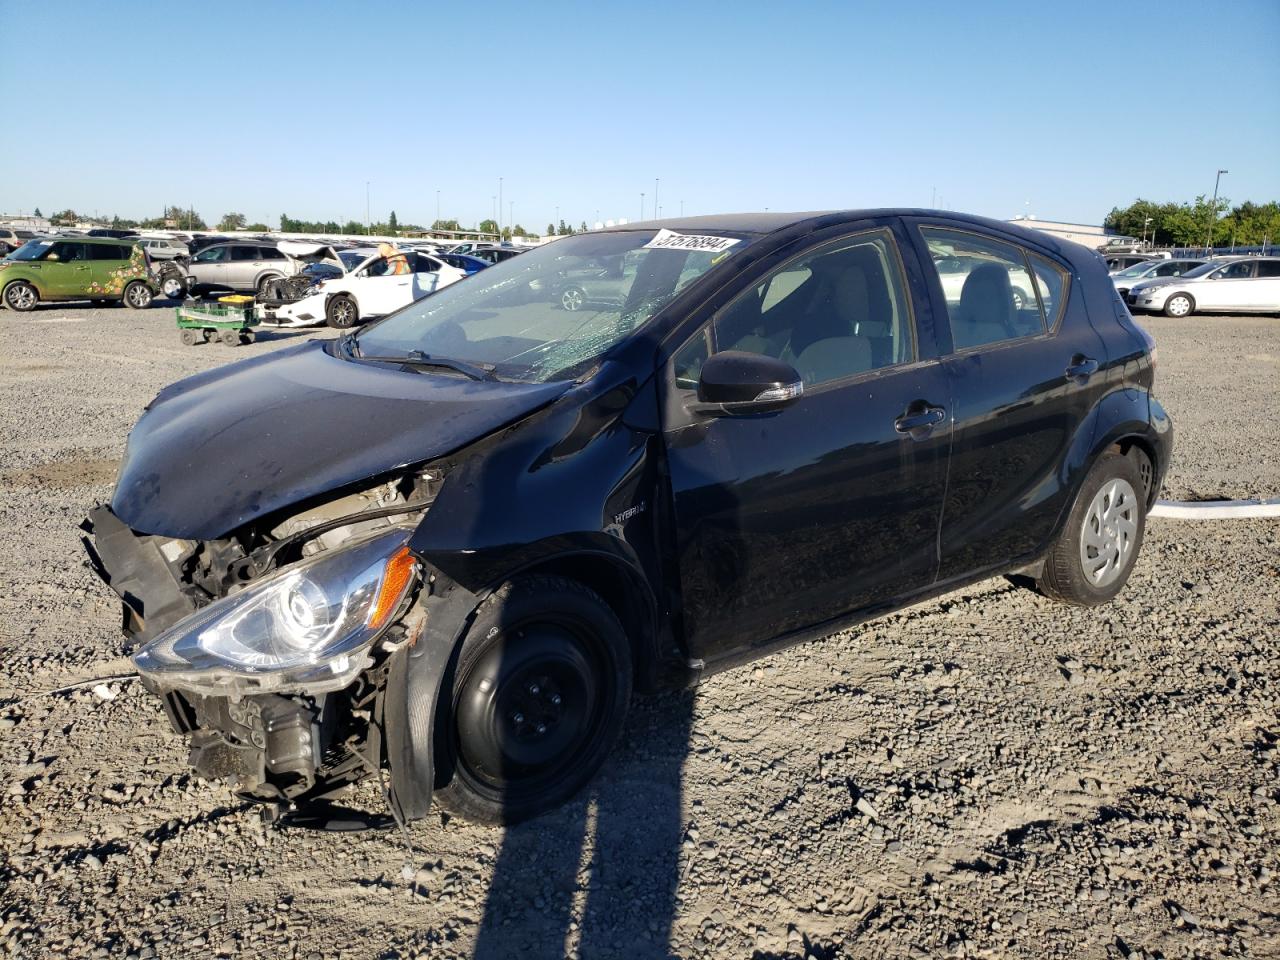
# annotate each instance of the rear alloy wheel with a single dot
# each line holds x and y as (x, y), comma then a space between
(138, 295)
(542, 686)
(1179, 305)
(1095, 552)
(21, 296)
(341, 312)
(573, 299)
(172, 286)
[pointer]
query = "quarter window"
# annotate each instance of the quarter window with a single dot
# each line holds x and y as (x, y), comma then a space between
(1051, 284)
(836, 312)
(989, 291)
(1269, 268)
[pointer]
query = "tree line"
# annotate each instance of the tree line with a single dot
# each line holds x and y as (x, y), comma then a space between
(1189, 224)
(185, 218)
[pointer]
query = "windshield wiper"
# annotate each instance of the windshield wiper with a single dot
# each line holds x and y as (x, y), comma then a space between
(417, 358)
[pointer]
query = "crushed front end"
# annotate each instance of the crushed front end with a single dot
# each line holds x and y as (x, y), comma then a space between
(270, 647)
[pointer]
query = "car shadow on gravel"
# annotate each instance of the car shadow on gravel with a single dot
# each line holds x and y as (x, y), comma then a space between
(599, 876)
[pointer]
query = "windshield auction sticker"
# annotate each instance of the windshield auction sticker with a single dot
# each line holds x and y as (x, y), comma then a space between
(670, 240)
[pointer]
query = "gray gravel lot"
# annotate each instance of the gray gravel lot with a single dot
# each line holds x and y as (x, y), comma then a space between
(985, 775)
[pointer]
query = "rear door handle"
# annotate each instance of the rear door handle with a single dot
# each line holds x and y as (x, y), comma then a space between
(919, 419)
(1082, 367)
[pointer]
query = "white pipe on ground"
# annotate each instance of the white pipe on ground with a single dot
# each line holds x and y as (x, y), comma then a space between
(1216, 509)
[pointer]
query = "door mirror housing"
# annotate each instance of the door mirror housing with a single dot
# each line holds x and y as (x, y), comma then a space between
(734, 382)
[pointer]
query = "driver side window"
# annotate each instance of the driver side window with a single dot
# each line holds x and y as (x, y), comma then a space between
(834, 312)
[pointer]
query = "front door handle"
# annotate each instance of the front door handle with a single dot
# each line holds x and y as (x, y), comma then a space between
(919, 419)
(1082, 367)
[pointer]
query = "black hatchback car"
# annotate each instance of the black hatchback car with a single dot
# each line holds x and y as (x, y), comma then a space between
(453, 544)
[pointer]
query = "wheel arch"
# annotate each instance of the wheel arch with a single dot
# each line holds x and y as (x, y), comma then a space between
(29, 281)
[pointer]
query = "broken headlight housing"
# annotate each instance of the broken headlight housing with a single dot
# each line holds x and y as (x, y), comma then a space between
(308, 627)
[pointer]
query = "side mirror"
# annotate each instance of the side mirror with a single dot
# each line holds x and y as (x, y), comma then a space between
(734, 383)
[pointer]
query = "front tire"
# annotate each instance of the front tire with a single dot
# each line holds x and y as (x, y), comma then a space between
(542, 686)
(266, 282)
(137, 295)
(341, 312)
(21, 296)
(1179, 305)
(1094, 554)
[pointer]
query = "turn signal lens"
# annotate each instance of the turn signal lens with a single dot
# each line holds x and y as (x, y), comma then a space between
(395, 581)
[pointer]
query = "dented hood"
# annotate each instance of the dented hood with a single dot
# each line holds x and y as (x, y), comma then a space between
(219, 449)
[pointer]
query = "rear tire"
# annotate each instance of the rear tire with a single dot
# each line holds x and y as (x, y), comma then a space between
(1179, 305)
(341, 312)
(542, 686)
(1092, 558)
(574, 298)
(137, 295)
(21, 296)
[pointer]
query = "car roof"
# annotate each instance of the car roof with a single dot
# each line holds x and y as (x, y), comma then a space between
(771, 222)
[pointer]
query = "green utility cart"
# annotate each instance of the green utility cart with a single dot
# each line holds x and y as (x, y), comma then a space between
(230, 320)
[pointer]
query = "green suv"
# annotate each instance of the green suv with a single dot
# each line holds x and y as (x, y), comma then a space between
(76, 268)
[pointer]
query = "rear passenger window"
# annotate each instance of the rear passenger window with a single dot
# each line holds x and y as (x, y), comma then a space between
(988, 288)
(1269, 268)
(836, 312)
(269, 253)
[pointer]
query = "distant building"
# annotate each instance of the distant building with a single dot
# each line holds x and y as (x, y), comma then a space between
(25, 223)
(1086, 234)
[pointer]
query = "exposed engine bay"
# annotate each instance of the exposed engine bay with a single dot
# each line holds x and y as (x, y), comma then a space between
(272, 738)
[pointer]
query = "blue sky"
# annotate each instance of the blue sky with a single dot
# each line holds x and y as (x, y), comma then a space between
(999, 109)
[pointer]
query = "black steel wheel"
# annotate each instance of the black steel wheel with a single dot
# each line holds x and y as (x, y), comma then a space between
(541, 690)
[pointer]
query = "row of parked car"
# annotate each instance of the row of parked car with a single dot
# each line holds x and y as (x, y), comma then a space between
(1179, 287)
(286, 277)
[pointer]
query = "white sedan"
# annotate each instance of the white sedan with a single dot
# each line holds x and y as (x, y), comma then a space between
(369, 289)
(1236, 285)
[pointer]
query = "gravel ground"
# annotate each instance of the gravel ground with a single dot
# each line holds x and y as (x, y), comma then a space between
(984, 775)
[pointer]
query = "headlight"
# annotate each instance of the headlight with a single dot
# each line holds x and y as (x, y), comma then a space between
(308, 627)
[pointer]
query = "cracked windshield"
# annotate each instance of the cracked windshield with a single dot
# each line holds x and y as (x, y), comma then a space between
(552, 313)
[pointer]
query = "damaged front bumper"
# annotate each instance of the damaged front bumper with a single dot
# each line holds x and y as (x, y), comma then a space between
(308, 311)
(279, 734)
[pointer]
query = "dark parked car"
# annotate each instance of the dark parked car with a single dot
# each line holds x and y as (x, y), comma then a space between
(464, 262)
(454, 543)
(113, 233)
(495, 254)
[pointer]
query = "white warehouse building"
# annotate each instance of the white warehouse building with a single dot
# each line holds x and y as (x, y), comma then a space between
(1095, 237)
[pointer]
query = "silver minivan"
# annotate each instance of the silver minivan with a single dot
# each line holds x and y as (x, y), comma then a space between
(1226, 285)
(245, 266)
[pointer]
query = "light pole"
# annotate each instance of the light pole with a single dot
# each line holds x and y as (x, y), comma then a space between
(1213, 210)
(368, 224)
(641, 204)
(499, 206)
(1144, 232)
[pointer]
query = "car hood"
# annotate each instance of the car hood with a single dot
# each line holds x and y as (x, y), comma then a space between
(1151, 284)
(222, 448)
